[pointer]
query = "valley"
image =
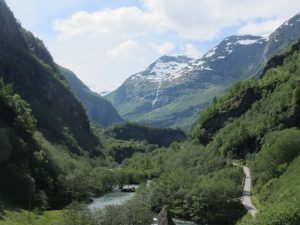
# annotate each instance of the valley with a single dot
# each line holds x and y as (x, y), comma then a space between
(211, 140)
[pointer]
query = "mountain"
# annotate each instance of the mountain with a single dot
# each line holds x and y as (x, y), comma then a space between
(45, 135)
(254, 125)
(172, 91)
(283, 37)
(173, 98)
(247, 98)
(16, 144)
(142, 91)
(97, 108)
(28, 66)
(259, 121)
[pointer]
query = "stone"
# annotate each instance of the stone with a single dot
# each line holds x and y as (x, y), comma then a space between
(164, 217)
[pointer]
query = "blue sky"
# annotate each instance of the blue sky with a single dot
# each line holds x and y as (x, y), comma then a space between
(106, 41)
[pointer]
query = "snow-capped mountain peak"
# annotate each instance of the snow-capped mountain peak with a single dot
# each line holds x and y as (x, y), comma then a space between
(153, 96)
(230, 47)
(165, 68)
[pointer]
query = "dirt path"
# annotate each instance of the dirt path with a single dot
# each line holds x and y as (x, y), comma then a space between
(246, 198)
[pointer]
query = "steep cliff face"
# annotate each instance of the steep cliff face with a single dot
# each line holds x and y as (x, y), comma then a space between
(28, 66)
(98, 109)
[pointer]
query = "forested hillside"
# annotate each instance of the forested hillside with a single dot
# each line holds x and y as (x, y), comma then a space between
(27, 65)
(97, 108)
(256, 122)
(46, 175)
(264, 130)
(49, 154)
(17, 146)
(139, 132)
(54, 160)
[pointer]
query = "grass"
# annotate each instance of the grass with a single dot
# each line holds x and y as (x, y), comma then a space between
(255, 200)
(21, 217)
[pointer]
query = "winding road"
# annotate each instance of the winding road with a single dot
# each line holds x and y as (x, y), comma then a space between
(246, 198)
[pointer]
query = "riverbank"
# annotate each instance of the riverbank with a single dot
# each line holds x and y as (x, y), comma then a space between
(119, 198)
(15, 216)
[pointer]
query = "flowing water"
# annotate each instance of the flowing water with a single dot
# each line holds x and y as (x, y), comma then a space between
(112, 198)
(119, 198)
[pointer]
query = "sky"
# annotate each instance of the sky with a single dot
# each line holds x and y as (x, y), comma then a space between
(106, 41)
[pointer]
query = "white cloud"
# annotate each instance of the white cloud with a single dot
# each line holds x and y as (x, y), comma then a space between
(131, 48)
(190, 19)
(192, 51)
(124, 21)
(111, 44)
(260, 28)
(203, 20)
(125, 48)
(164, 48)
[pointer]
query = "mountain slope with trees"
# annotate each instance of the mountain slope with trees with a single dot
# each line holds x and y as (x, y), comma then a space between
(50, 155)
(138, 132)
(97, 108)
(257, 121)
(28, 66)
(265, 131)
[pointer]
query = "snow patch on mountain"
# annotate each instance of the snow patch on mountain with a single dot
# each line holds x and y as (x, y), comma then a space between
(211, 53)
(165, 68)
(247, 42)
(228, 49)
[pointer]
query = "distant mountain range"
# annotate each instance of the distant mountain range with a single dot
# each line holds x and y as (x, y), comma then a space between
(174, 89)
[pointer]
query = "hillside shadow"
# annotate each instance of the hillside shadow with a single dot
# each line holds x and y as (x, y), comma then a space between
(6, 206)
(2, 212)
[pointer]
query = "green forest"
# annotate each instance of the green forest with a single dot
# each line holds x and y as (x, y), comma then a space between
(57, 154)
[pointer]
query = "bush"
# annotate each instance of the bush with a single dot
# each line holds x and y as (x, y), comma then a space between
(287, 213)
(278, 150)
(77, 214)
(132, 213)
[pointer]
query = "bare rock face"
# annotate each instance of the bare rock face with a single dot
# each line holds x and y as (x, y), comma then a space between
(164, 218)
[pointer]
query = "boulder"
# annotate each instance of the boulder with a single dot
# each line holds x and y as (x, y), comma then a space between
(164, 217)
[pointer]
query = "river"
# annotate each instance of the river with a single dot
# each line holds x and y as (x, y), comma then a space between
(119, 198)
